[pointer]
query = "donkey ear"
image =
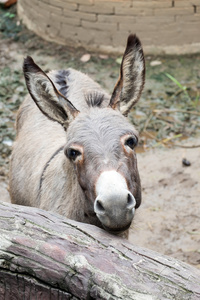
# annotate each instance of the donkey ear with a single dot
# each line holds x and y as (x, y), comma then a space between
(130, 84)
(49, 100)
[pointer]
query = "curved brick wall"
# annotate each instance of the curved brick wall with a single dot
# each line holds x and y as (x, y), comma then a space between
(164, 26)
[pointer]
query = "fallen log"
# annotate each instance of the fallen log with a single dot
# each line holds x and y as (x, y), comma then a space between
(46, 256)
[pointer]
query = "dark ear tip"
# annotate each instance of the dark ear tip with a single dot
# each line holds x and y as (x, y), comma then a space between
(28, 61)
(30, 66)
(133, 40)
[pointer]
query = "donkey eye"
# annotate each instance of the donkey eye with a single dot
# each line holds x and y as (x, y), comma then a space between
(72, 153)
(131, 142)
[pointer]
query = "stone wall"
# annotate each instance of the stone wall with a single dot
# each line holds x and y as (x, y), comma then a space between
(164, 26)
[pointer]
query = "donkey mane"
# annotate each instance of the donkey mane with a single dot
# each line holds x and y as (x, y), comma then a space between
(61, 80)
(94, 99)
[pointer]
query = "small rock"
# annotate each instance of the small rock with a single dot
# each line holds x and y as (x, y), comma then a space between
(20, 89)
(185, 162)
(7, 143)
(155, 63)
(102, 56)
(119, 60)
(85, 58)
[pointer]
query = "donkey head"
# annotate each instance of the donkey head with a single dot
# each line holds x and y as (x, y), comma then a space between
(100, 142)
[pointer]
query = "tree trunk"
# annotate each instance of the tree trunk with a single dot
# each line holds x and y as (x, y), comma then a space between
(46, 256)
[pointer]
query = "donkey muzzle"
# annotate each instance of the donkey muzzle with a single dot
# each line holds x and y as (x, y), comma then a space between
(114, 204)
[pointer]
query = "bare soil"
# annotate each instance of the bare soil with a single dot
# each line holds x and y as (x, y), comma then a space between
(168, 220)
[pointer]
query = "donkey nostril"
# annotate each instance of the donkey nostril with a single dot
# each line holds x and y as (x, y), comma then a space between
(130, 201)
(99, 206)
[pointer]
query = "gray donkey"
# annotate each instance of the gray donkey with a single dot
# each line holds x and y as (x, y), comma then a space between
(83, 165)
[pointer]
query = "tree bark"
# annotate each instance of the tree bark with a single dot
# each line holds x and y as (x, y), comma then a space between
(46, 256)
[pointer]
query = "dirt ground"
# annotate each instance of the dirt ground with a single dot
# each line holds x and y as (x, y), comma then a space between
(168, 220)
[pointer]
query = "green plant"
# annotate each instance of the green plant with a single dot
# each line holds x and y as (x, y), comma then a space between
(183, 88)
(8, 24)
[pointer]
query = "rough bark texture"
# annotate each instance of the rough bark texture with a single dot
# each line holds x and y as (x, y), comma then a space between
(45, 256)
